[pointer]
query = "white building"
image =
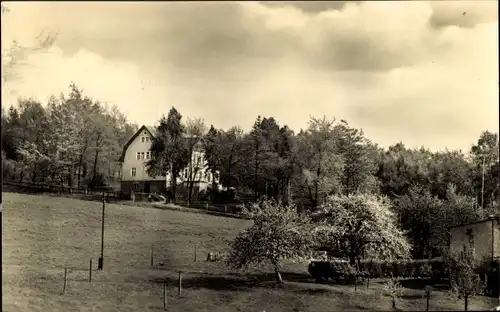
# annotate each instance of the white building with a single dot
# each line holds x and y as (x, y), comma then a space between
(135, 156)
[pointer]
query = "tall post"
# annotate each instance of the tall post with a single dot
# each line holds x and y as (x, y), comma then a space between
(428, 295)
(289, 193)
(180, 283)
(152, 255)
(482, 186)
(497, 264)
(101, 259)
(65, 275)
(164, 297)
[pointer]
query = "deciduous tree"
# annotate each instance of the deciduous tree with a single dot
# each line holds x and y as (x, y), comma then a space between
(195, 130)
(168, 149)
(361, 223)
(278, 233)
(320, 162)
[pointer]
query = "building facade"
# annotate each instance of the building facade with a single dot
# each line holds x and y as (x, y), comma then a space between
(482, 237)
(134, 177)
(196, 171)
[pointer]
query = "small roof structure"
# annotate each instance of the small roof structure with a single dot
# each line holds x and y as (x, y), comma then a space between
(489, 219)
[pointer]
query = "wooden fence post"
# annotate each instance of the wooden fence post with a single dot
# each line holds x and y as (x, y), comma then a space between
(428, 293)
(90, 271)
(195, 253)
(152, 255)
(65, 275)
(180, 283)
(225, 208)
(164, 296)
(427, 290)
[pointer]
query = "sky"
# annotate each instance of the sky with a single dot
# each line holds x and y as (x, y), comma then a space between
(421, 73)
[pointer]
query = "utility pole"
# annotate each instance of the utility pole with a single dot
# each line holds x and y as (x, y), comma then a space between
(289, 193)
(482, 186)
(100, 264)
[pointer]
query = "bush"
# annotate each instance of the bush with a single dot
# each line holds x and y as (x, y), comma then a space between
(434, 269)
(465, 280)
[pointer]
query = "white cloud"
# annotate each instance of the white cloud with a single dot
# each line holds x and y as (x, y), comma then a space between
(382, 66)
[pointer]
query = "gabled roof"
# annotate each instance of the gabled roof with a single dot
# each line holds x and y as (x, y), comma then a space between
(151, 131)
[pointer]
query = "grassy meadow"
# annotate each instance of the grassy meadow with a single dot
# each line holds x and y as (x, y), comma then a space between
(42, 235)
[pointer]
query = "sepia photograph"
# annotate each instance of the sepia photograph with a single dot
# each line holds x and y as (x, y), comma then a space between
(252, 156)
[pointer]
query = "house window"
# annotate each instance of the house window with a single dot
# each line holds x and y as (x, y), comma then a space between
(148, 155)
(142, 155)
(138, 155)
(147, 139)
(133, 172)
(143, 139)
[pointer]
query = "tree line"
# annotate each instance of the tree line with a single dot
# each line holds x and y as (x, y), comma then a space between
(71, 141)
(77, 141)
(428, 191)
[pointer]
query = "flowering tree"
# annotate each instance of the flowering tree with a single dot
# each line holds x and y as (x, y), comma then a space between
(393, 288)
(359, 223)
(278, 233)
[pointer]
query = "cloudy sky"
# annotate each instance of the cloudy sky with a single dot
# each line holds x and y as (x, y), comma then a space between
(425, 73)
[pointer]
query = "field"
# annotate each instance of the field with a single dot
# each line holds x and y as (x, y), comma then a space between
(43, 235)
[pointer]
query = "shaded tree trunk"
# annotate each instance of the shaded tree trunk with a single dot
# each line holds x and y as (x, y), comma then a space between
(84, 170)
(466, 304)
(229, 171)
(213, 180)
(62, 182)
(190, 189)
(21, 176)
(70, 176)
(278, 276)
(94, 169)
(80, 161)
(174, 183)
(33, 174)
(352, 258)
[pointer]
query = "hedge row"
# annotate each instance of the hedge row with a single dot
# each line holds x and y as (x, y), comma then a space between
(433, 268)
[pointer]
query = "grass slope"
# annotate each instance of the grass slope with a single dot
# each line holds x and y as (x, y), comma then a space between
(42, 235)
